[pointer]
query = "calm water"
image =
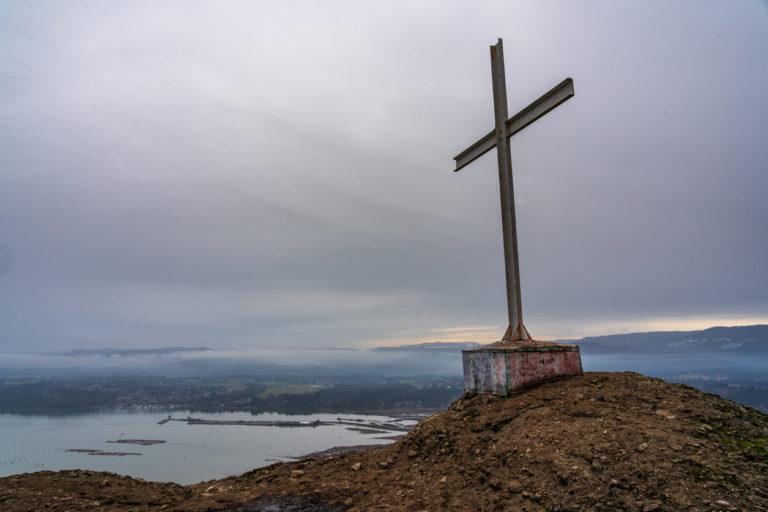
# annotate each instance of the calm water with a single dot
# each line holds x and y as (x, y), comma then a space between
(191, 453)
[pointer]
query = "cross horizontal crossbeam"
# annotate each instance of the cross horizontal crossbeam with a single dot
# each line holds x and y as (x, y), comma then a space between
(549, 100)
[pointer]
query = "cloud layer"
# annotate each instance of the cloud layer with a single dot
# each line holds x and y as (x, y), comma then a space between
(248, 174)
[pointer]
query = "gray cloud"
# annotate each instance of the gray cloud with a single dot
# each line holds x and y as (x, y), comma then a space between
(253, 175)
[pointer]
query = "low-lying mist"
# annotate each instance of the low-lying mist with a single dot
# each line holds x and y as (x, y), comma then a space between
(228, 362)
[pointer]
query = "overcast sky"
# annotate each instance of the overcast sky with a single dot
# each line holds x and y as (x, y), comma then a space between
(278, 174)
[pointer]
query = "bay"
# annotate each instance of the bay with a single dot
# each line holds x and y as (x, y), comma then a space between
(191, 452)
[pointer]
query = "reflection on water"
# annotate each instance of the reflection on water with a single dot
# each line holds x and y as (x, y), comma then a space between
(191, 452)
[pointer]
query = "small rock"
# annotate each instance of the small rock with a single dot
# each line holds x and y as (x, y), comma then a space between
(514, 486)
(642, 446)
(296, 473)
(675, 445)
(356, 466)
(412, 453)
(444, 479)
(650, 506)
(205, 495)
(211, 488)
(383, 465)
(531, 496)
(665, 414)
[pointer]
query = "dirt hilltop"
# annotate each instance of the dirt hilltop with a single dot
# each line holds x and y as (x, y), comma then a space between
(601, 441)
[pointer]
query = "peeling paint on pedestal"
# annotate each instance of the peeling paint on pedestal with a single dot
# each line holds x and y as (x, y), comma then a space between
(500, 369)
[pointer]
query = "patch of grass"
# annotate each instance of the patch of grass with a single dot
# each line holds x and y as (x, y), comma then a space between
(752, 449)
(282, 388)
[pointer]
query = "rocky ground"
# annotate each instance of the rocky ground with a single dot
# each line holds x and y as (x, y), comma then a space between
(602, 441)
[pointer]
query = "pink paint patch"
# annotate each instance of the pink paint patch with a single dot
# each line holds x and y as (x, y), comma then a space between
(528, 368)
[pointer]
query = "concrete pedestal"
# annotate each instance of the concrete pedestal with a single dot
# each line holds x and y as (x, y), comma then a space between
(503, 367)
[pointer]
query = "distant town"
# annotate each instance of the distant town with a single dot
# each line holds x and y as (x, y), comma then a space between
(67, 395)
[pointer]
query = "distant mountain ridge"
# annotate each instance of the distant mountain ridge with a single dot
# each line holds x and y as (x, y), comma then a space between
(749, 339)
(131, 352)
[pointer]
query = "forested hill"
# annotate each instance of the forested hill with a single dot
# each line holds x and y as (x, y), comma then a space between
(750, 339)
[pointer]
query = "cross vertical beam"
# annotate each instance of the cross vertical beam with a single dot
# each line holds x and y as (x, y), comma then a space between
(516, 331)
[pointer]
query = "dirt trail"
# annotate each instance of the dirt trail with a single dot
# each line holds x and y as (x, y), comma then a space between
(602, 441)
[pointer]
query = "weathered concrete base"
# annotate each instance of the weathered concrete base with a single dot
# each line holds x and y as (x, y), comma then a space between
(503, 367)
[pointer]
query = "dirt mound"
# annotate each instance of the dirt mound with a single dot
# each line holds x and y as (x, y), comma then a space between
(602, 441)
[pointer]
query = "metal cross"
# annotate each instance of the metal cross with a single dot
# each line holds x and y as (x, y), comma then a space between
(499, 138)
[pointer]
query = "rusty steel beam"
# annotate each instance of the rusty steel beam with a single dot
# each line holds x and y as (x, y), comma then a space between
(506, 190)
(558, 94)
